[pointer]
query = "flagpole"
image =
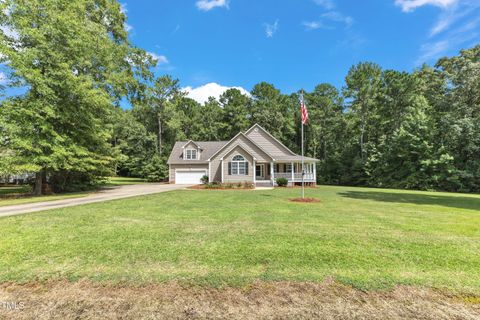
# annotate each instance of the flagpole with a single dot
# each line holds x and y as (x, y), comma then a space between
(303, 169)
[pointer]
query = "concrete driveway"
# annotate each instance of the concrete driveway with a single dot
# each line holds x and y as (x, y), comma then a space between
(106, 194)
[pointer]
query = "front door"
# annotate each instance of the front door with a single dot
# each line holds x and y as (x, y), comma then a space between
(260, 171)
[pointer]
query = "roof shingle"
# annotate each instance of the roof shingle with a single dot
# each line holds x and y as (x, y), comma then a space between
(208, 149)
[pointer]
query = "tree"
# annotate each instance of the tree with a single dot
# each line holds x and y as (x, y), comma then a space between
(211, 121)
(408, 158)
(463, 100)
(362, 89)
(236, 112)
(274, 112)
(164, 90)
(325, 131)
(74, 60)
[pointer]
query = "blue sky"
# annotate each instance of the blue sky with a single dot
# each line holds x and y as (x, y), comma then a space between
(296, 43)
(214, 44)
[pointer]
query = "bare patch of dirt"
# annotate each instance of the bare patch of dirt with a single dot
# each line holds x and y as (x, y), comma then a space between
(305, 200)
(261, 300)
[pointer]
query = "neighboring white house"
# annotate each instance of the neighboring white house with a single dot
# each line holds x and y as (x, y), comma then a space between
(253, 156)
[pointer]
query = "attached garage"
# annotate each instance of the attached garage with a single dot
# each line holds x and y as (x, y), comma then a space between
(189, 176)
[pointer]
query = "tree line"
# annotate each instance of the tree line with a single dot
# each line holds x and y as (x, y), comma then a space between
(73, 60)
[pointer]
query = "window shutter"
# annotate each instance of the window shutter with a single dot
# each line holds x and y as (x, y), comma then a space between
(229, 168)
(246, 168)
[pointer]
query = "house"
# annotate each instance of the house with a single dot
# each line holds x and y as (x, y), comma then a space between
(253, 156)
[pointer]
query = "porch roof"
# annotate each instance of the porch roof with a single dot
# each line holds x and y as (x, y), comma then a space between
(294, 158)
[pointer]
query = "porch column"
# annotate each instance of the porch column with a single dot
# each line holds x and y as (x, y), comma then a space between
(272, 174)
(221, 167)
(293, 174)
(254, 172)
(315, 172)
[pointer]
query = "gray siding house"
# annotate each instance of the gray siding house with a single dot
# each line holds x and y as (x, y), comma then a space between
(253, 156)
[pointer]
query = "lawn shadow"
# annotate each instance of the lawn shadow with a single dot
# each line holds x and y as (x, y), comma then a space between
(416, 198)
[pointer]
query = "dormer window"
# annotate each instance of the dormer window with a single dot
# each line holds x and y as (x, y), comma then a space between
(191, 154)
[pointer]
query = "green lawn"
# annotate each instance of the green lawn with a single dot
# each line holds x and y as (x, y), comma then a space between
(122, 181)
(33, 199)
(369, 238)
(8, 192)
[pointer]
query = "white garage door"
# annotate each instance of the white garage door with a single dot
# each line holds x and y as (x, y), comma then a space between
(189, 177)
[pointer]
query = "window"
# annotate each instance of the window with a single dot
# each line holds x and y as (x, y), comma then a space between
(238, 166)
(191, 154)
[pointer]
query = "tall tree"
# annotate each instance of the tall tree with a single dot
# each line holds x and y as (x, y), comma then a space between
(361, 91)
(326, 130)
(74, 60)
(274, 111)
(165, 89)
(236, 112)
(463, 99)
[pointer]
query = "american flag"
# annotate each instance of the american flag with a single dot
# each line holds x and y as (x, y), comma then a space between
(303, 110)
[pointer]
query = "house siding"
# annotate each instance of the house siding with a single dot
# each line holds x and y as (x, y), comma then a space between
(267, 143)
(216, 163)
(215, 171)
(192, 145)
(173, 167)
(248, 146)
(237, 178)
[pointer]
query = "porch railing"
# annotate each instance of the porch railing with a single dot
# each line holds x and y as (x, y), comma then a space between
(296, 176)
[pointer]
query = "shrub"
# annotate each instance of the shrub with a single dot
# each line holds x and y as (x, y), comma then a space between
(282, 182)
(248, 185)
(236, 185)
(204, 179)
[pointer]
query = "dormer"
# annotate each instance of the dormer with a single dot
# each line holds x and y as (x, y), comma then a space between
(191, 151)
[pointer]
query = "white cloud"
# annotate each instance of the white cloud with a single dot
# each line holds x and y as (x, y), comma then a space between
(128, 27)
(456, 26)
(431, 51)
(161, 59)
(271, 29)
(207, 5)
(327, 4)
(202, 93)
(313, 25)
(338, 17)
(123, 8)
(176, 29)
(410, 5)
(332, 17)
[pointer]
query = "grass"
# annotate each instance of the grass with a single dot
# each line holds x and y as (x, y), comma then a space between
(123, 181)
(33, 199)
(8, 193)
(13, 189)
(367, 238)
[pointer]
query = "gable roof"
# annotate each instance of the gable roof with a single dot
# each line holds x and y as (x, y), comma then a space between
(256, 125)
(211, 149)
(240, 147)
(208, 149)
(192, 142)
(233, 139)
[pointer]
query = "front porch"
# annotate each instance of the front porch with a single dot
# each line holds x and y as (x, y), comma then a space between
(267, 173)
